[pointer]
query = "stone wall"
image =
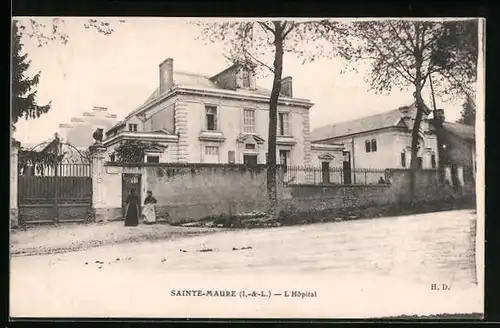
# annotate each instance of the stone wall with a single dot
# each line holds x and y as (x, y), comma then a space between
(196, 191)
(190, 192)
(314, 198)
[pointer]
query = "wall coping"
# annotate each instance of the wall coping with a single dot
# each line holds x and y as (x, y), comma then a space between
(338, 185)
(408, 170)
(175, 165)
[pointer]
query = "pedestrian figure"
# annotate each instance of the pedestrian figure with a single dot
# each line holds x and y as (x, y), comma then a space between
(381, 180)
(149, 213)
(132, 209)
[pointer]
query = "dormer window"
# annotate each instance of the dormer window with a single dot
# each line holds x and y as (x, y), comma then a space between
(132, 127)
(245, 79)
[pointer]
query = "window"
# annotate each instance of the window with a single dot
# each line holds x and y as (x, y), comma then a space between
(211, 154)
(433, 161)
(211, 117)
(245, 79)
(374, 145)
(248, 121)
(250, 159)
(403, 159)
(231, 157)
(250, 146)
(132, 127)
(211, 150)
(153, 159)
(284, 157)
(367, 146)
(283, 124)
(112, 157)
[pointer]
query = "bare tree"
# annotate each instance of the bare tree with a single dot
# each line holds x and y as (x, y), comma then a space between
(405, 54)
(253, 43)
(47, 30)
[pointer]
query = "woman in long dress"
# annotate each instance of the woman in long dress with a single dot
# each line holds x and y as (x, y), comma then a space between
(132, 210)
(149, 213)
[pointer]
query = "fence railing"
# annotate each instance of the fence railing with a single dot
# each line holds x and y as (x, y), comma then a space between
(334, 175)
(468, 173)
(63, 170)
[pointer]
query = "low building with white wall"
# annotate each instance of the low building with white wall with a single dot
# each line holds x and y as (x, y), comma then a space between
(383, 140)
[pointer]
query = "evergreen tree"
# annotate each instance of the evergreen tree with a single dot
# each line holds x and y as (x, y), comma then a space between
(24, 91)
(468, 112)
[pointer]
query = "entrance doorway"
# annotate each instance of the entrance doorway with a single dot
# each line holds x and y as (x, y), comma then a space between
(325, 172)
(346, 168)
(130, 181)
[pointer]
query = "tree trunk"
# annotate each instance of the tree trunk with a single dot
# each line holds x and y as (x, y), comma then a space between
(273, 115)
(415, 136)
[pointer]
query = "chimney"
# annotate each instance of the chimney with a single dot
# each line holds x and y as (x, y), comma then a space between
(439, 115)
(166, 75)
(286, 87)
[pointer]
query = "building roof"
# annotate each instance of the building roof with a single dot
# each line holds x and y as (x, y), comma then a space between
(188, 79)
(386, 119)
(369, 123)
(462, 131)
(199, 80)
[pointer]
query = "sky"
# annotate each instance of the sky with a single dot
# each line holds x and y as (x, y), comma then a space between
(120, 71)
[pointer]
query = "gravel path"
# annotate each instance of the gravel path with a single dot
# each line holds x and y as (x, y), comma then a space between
(51, 239)
(359, 269)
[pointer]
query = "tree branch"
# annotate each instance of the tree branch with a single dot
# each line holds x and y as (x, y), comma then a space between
(409, 36)
(401, 41)
(265, 26)
(259, 61)
(424, 29)
(290, 29)
(409, 78)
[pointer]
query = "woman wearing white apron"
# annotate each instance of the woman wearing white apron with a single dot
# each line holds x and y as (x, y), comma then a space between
(149, 213)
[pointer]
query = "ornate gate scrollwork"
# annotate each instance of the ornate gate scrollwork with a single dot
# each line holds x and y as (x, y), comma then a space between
(54, 181)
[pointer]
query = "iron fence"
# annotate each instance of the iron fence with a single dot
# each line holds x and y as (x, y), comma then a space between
(334, 175)
(468, 173)
(61, 170)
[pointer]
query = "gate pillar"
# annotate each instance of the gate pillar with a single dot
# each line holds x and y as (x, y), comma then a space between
(98, 154)
(447, 175)
(14, 215)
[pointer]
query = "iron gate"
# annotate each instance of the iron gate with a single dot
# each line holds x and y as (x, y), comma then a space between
(54, 184)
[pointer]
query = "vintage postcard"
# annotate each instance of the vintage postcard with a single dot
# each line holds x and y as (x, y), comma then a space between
(247, 168)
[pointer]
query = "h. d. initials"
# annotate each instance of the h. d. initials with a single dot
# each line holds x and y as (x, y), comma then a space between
(440, 287)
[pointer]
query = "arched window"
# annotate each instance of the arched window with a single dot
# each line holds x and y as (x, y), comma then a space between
(367, 145)
(374, 145)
